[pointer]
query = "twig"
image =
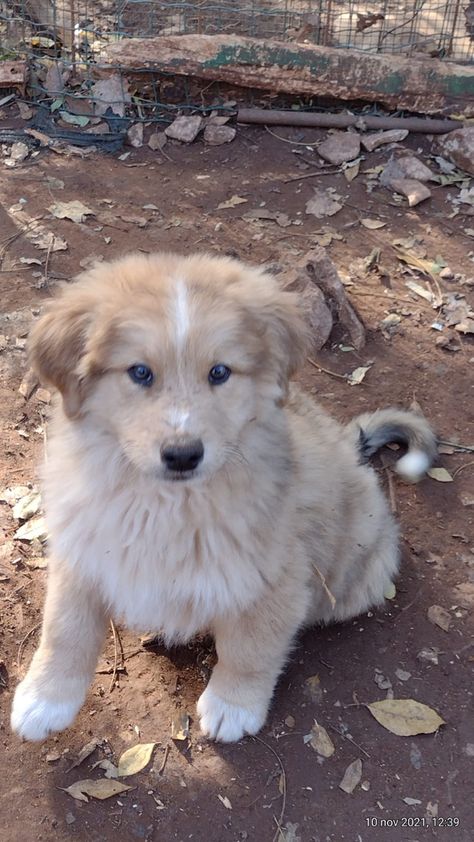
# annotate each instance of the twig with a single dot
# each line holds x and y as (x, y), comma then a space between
(117, 645)
(22, 644)
(46, 264)
(293, 142)
(391, 486)
(165, 760)
(311, 175)
(278, 821)
(349, 739)
(330, 596)
(326, 370)
(461, 468)
(467, 447)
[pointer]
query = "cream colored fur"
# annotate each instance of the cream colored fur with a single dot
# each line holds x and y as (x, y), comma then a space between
(279, 505)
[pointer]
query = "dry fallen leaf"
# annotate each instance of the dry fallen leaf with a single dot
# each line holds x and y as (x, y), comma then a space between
(110, 769)
(323, 204)
(225, 801)
(357, 376)
(27, 506)
(232, 202)
(76, 211)
(440, 474)
(84, 753)
(405, 717)
(180, 727)
(350, 173)
(439, 616)
(135, 759)
(101, 789)
(319, 739)
(352, 776)
(34, 528)
(288, 833)
(373, 224)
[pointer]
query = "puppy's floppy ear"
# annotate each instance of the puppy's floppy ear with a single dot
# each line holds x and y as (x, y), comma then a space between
(57, 343)
(288, 333)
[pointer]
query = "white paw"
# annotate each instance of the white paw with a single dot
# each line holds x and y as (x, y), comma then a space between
(35, 717)
(223, 721)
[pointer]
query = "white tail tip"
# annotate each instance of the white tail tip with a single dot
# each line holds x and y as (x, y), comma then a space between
(413, 466)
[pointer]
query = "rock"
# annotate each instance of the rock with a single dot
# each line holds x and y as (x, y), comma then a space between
(340, 147)
(19, 152)
(466, 499)
(458, 146)
(135, 135)
(318, 315)
(316, 311)
(216, 135)
(411, 167)
(185, 128)
(446, 274)
(415, 191)
(324, 274)
(372, 141)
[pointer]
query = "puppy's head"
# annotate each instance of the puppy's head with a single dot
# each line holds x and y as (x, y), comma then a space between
(173, 356)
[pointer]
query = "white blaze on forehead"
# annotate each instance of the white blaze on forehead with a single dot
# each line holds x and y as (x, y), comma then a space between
(181, 313)
(177, 418)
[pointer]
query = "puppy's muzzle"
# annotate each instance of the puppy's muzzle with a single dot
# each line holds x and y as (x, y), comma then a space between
(182, 456)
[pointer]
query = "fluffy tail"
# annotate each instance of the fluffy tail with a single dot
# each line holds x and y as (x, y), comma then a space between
(374, 429)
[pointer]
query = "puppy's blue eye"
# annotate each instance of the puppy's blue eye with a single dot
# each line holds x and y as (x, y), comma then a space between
(218, 374)
(141, 374)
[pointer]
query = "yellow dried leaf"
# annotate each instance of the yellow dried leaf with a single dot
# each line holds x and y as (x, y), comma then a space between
(373, 224)
(231, 203)
(135, 759)
(350, 173)
(352, 776)
(440, 475)
(405, 717)
(321, 741)
(100, 789)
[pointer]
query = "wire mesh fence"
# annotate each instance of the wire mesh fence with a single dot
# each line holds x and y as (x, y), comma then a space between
(75, 33)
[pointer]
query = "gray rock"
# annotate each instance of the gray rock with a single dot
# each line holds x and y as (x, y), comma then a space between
(372, 141)
(458, 146)
(216, 135)
(185, 128)
(340, 147)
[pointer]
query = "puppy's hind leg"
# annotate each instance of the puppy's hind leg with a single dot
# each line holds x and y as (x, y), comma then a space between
(55, 686)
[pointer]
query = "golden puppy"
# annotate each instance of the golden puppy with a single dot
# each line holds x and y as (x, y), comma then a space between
(189, 489)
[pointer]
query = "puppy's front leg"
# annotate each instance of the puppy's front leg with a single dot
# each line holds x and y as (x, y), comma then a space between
(252, 649)
(56, 683)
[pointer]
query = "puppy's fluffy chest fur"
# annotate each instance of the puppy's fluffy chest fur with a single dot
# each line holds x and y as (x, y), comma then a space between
(165, 558)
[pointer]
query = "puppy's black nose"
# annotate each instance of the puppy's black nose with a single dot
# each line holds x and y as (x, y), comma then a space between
(182, 457)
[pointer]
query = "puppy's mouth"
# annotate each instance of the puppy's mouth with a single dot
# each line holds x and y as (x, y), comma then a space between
(179, 476)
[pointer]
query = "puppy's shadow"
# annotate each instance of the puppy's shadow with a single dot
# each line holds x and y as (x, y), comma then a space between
(200, 652)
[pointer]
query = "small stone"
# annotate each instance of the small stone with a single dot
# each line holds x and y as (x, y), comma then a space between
(3, 342)
(411, 167)
(415, 191)
(446, 274)
(185, 128)
(135, 135)
(216, 135)
(340, 147)
(372, 141)
(466, 498)
(429, 654)
(69, 818)
(365, 785)
(19, 152)
(402, 675)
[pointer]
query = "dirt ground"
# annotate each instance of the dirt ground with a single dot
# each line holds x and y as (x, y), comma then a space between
(412, 788)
